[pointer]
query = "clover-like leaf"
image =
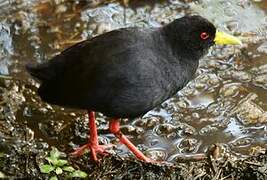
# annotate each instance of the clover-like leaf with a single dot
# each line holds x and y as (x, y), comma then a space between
(68, 169)
(51, 160)
(46, 168)
(59, 171)
(61, 162)
(53, 178)
(79, 174)
(54, 153)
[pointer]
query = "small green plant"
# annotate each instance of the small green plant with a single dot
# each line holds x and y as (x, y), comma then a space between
(58, 166)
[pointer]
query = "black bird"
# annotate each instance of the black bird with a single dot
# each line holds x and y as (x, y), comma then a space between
(126, 72)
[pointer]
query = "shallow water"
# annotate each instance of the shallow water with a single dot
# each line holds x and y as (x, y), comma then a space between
(226, 103)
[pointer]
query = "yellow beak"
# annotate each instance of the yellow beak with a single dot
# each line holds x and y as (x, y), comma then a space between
(222, 38)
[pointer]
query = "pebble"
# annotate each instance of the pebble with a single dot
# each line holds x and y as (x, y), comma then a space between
(242, 76)
(230, 90)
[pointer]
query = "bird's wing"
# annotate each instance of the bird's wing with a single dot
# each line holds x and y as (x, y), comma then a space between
(84, 67)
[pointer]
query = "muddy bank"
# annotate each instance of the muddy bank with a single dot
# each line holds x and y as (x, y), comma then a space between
(114, 167)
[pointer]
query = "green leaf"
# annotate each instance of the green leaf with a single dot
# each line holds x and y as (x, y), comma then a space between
(79, 174)
(61, 162)
(53, 178)
(51, 160)
(46, 168)
(59, 171)
(54, 153)
(68, 169)
(57, 162)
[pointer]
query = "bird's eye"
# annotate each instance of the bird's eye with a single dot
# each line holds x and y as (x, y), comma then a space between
(204, 35)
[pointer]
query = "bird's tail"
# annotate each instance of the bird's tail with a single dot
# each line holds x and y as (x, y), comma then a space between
(38, 71)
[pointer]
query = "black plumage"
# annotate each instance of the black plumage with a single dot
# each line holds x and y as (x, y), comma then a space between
(125, 72)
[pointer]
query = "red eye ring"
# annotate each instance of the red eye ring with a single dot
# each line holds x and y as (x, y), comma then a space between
(204, 35)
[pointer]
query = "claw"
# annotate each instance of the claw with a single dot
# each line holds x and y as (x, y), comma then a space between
(94, 149)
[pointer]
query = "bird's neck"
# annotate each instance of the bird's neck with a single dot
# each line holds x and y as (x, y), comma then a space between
(180, 61)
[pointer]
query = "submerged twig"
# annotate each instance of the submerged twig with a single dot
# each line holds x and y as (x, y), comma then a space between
(6, 77)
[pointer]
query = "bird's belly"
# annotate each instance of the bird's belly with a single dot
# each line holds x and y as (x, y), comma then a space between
(135, 102)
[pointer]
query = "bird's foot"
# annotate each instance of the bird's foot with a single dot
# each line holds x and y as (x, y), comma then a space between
(94, 149)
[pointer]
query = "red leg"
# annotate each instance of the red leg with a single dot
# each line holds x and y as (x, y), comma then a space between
(92, 145)
(114, 126)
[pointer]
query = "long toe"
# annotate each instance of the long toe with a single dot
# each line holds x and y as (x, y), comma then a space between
(94, 149)
(101, 149)
(80, 150)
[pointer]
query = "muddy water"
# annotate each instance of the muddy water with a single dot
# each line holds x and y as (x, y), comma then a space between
(226, 103)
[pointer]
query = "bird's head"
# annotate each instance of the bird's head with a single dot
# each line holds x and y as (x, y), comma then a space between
(197, 34)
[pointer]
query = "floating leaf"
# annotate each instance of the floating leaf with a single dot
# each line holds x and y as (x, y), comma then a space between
(68, 169)
(59, 171)
(46, 168)
(79, 174)
(53, 178)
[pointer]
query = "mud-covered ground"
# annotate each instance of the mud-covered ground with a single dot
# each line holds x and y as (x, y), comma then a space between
(215, 128)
